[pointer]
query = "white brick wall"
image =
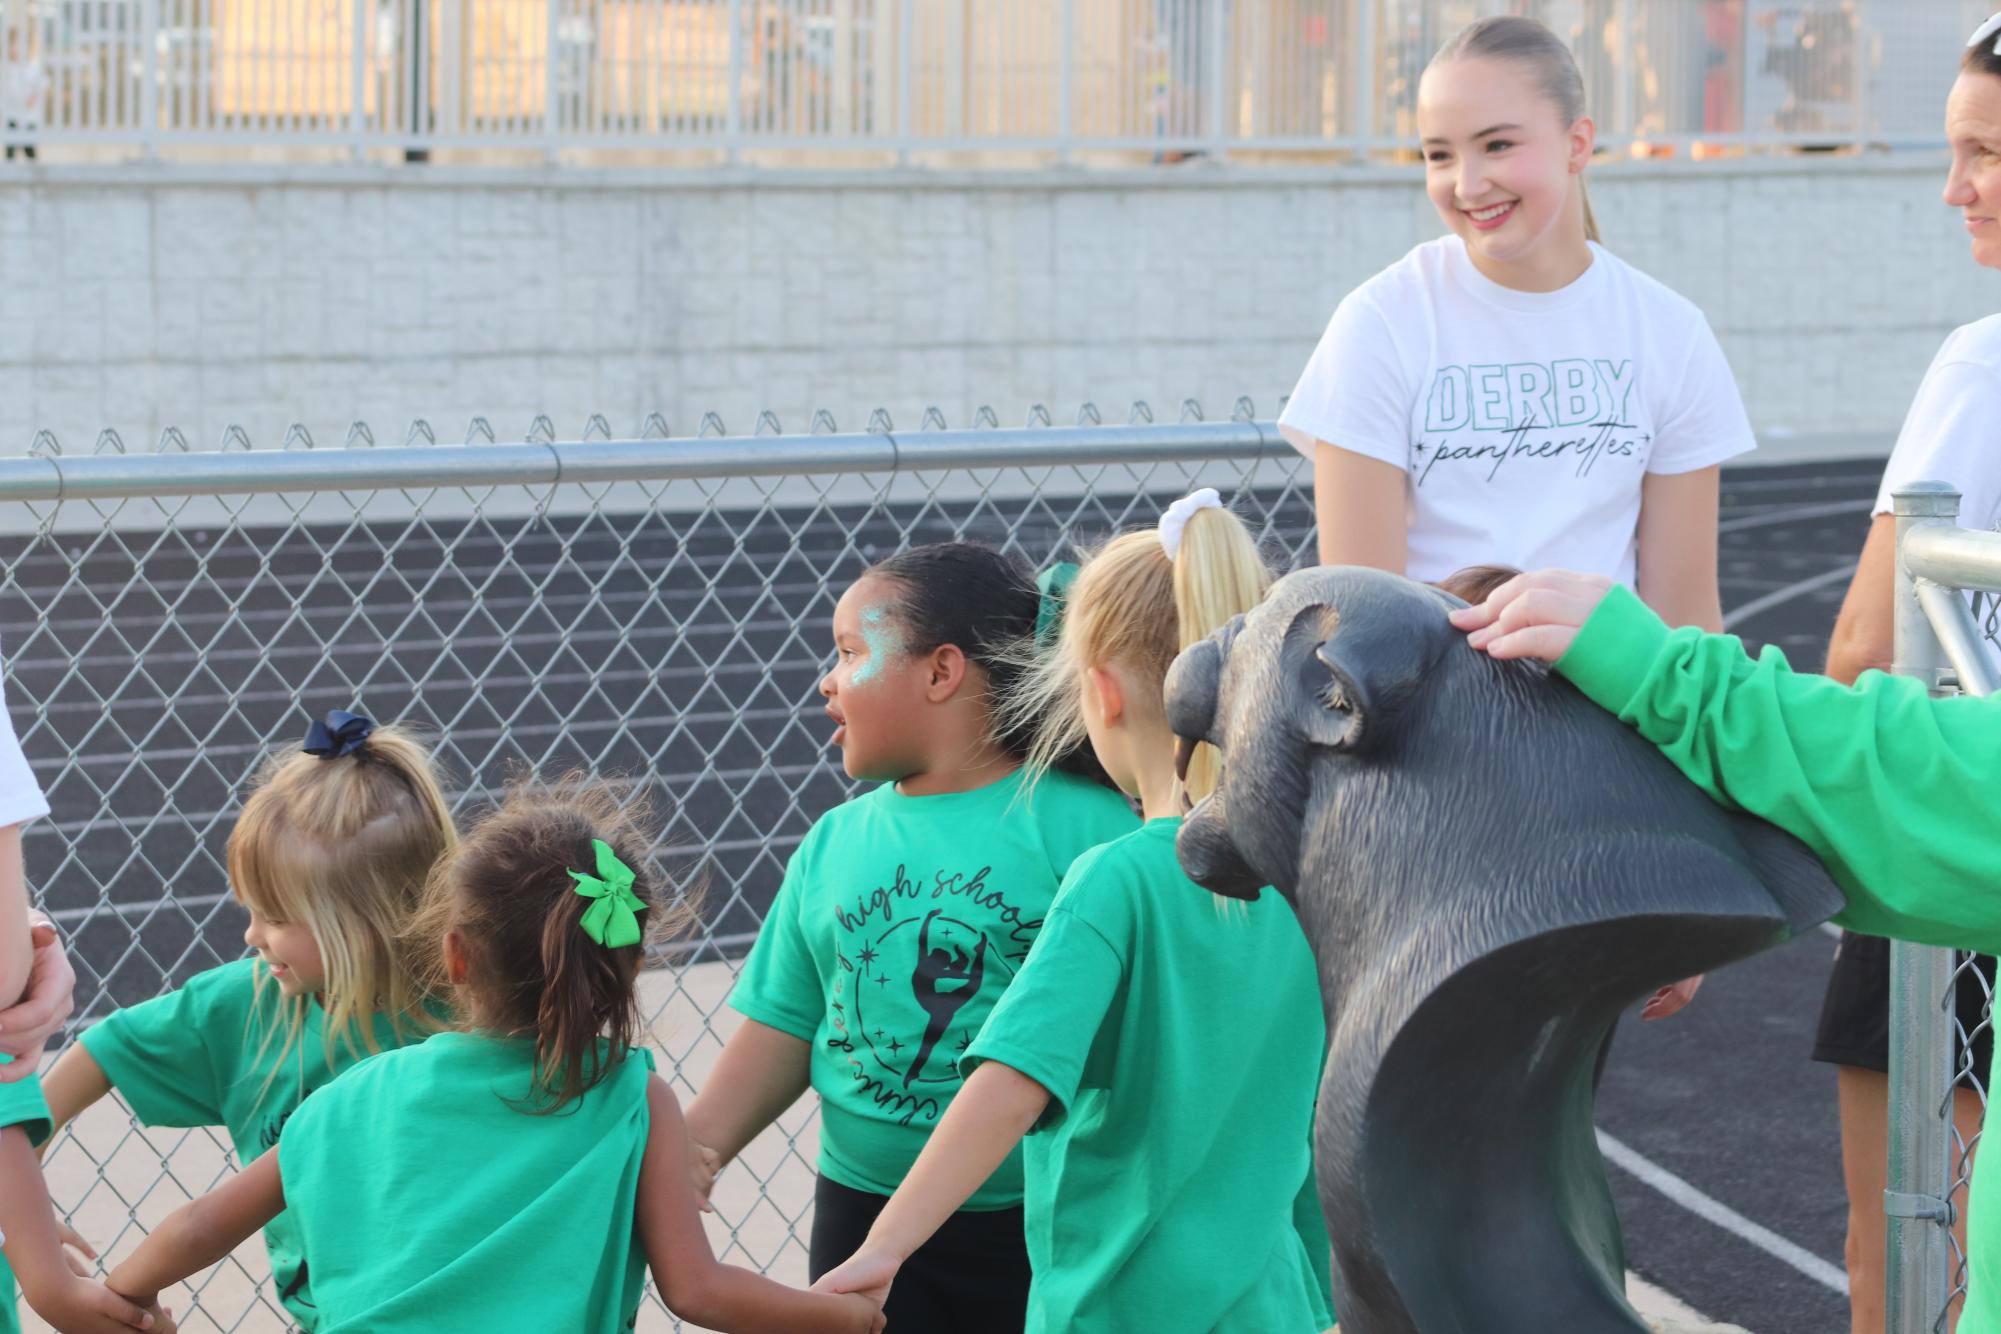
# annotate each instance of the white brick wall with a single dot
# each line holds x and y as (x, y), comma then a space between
(139, 297)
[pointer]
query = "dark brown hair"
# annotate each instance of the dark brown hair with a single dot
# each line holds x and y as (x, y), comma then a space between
(531, 971)
(986, 602)
(1475, 583)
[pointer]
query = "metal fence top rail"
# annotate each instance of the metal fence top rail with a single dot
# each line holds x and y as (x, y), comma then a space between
(1927, 154)
(53, 478)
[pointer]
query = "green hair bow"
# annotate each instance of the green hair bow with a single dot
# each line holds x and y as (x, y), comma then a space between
(612, 920)
(1054, 585)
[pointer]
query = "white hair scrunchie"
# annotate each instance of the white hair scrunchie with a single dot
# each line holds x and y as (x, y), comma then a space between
(1175, 522)
(1991, 28)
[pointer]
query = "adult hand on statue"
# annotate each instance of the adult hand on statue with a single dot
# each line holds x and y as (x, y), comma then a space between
(1533, 615)
(26, 1028)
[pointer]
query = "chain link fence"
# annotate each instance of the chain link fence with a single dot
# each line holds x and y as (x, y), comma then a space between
(652, 609)
(1941, 1001)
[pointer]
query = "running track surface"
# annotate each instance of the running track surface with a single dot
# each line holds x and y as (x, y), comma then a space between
(1721, 1097)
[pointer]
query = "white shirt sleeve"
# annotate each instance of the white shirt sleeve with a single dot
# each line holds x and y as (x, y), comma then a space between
(1949, 436)
(1704, 423)
(1355, 392)
(21, 798)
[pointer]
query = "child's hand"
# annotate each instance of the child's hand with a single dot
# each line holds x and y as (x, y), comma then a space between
(867, 1273)
(1533, 615)
(704, 1167)
(78, 1306)
(75, 1250)
(867, 1315)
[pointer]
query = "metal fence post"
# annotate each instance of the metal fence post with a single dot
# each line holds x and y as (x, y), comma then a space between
(149, 78)
(1066, 80)
(1221, 67)
(1920, 1254)
(733, 105)
(552, 83)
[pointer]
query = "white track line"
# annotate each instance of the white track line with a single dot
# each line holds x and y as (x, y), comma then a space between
(1792, 513)
(1722, 1215)
(1777, 596)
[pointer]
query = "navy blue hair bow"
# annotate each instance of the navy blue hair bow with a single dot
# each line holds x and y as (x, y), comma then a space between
(341, 734)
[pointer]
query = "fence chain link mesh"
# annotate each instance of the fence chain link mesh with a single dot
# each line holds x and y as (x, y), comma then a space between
(1971, 990)
(669, 632)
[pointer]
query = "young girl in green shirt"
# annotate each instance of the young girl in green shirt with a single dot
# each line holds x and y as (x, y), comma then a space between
(903, 917)
(1160, 1050)
(523, 1171)
(329, 857)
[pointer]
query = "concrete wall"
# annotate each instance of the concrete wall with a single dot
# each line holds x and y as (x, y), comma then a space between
(141, 297)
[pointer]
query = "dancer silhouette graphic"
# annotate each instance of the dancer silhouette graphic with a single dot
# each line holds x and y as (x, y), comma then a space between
(935, 968)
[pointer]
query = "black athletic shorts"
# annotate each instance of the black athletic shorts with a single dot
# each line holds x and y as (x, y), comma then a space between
(970, 1278)
(1855, 1017)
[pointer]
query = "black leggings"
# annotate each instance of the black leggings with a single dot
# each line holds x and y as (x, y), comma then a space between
(970, 1278)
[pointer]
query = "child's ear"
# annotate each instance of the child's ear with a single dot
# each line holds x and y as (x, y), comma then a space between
(1110, 696)
(947, 667)
(455, 959)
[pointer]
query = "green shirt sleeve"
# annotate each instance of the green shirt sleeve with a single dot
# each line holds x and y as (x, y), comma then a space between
(1891, 788)
(161, 1054)
(780, 985)
(22, 1104)
(1047, 1020)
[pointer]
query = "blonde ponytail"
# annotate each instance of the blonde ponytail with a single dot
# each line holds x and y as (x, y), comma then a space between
(1134, 606)
(1218, 575)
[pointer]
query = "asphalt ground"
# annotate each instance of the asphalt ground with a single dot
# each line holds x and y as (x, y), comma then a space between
(149, 673)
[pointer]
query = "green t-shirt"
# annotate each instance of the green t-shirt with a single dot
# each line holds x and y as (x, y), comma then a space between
(21, 1104)
(198, 1057)
(428, 1198)
(1170, 1180)
(900, 921)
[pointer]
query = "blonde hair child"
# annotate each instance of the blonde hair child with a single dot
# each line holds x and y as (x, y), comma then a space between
(1165, 1189)
(533, 1145)
(329, 857)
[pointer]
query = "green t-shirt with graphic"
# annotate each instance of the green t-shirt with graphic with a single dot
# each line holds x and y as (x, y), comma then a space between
(21, 1104)
(1170, 1180)
(900, 922)
(213, 1054)
(429, 1195)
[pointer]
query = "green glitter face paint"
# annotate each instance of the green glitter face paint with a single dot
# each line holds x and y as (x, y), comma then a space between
(879, 632)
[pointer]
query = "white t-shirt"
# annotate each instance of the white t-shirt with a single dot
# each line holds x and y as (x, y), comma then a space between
(1526, 420)
(21, 798)
(1953, 431)
(1949, 434)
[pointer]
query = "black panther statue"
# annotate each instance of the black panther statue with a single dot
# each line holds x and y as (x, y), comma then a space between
(1489, 869)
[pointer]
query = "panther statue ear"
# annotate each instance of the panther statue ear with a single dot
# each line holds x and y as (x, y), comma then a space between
(1355, 672)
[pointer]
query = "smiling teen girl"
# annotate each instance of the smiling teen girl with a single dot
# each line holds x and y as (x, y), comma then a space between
(1513, 392)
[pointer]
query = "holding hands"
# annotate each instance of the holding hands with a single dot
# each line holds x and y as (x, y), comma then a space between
(867, 1273)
